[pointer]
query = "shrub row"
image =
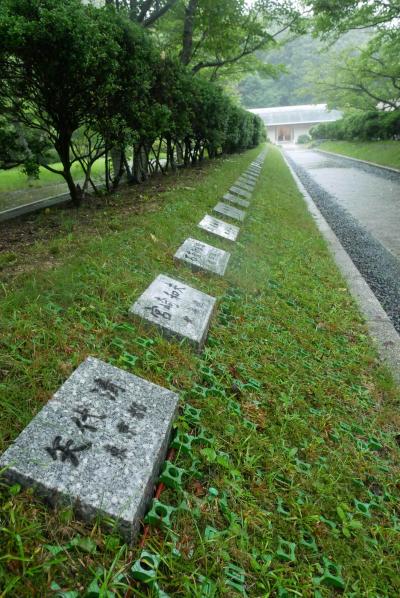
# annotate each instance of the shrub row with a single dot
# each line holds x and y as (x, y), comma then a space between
(89, 83)
(365, 126)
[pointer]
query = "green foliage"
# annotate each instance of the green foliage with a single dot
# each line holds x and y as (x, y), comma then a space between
(363, 77)
(223, 38)
(361, 126)
(65, 66)
(286, 80)
(386, 152)
(335, 16)
(366, 76)
(291, 356)
(303, 139)
(21, 146)
(86, 80)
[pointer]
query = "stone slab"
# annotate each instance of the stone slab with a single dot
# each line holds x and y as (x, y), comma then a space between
(235, 199)
(253, 171)
(97, 445)
(243, 184)
(177, 309)
(230, 211)
(219, 228)
(241, 192)
(202, 256)
(250, 178)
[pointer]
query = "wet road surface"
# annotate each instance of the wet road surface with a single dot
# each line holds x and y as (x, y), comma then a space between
(372, 198)
(362, 205)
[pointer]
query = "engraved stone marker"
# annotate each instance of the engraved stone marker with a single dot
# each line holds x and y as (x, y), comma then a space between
(177, 309)
(241, 192)
(234, 199)
(203, 257)
(219, 228)
(98, 444)
(249, 178)
(244, 185)
(230, 211)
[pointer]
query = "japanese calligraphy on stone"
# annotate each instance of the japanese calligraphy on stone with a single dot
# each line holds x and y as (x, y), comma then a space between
(236, 200)
(230, 211)
(219, 228)
(177, 309)
(98, 443)
(203, 256)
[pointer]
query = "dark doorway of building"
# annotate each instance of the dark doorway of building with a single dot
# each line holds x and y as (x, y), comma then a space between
(284, 133)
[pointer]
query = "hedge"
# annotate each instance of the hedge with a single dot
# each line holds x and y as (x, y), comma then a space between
(88, 82)
(364, 126)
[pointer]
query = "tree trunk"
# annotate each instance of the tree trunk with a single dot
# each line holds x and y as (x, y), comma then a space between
(170, 154)
(117, 156)
(62, 147)
(140, 168)
(188, 27)
(179, 154)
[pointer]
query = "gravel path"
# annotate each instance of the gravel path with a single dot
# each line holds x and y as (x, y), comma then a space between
(378, 265)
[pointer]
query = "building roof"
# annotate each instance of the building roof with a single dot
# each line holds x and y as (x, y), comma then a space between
(293, 115)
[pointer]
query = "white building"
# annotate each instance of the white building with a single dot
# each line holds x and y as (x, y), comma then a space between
(285, 124)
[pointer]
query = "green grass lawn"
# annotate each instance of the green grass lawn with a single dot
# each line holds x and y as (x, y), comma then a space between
(305, 419)
(14, 179)
(386, 153)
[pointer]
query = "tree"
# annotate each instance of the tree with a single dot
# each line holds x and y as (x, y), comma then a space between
(364, 78)
(144, 12)
(64, 68)
(333, 17)
(215, 37)
(20, 146)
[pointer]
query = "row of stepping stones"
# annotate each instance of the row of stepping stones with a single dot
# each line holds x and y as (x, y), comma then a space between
(100, 442)
(178, 309)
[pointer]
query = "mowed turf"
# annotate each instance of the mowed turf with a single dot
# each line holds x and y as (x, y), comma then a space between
(386, 153)
(301, 485)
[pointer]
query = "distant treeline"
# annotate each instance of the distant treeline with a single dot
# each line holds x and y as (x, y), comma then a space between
(363, 126)
(88, 83)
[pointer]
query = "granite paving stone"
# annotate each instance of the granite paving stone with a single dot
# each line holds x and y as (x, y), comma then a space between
(235, 199)
(230, 211)
(219, 228)
(242, 192)
(249, 179)
(244, 185)
(97, 445)
(202, 256)
(176, 309)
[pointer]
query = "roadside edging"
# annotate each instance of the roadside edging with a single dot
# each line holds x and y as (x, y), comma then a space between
(336, 155)
(380, 327)
(34, 206)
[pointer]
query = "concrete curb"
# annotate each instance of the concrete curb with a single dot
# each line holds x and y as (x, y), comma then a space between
(380, 327)
(39, 204)
(390, 168)
(34, 206)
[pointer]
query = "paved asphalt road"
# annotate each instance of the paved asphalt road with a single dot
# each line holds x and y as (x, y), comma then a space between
(362, 205)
